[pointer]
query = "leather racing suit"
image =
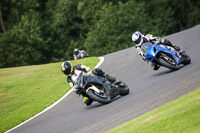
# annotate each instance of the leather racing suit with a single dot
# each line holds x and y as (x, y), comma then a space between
(76, 71)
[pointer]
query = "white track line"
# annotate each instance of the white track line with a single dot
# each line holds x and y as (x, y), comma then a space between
(51, 106)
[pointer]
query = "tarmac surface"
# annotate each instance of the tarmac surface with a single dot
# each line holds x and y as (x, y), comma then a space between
(148, 90)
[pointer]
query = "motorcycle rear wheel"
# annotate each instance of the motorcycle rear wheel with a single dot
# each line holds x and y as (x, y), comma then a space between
(105, 99)
(187, 59)
(124, 89)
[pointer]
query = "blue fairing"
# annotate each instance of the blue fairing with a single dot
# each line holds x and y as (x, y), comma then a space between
(151, 50)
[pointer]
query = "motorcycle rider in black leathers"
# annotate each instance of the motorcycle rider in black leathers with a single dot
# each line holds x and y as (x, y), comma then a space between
(73, 72)
(139, 39)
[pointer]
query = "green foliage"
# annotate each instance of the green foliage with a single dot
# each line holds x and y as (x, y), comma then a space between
(116, 23)
(107, 32)
(23, 45)
(186, 13)
(48, 31)
(66, 26)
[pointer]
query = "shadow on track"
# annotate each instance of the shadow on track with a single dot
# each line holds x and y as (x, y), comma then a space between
(167, 71)
(163, 72)
(97, 104)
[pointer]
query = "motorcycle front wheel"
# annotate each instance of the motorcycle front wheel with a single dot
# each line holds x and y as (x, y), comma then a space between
(168, 62)
(99, 97)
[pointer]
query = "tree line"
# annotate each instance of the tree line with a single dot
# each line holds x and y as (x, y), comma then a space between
(43, 31)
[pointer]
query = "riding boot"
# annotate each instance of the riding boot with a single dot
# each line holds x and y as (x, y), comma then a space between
(177, 48)
(98, 72)
(168, 43)
(109, 78)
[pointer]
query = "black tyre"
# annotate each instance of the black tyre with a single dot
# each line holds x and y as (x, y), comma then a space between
(124, 89)
(168, 62)
(187, 59)
(102, 98)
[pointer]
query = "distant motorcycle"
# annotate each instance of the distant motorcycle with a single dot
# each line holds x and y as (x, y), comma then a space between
(82, 54)
(164, 56)
(92, 86)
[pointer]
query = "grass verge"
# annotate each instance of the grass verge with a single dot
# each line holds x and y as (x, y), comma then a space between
(179, 116)
(26, 91)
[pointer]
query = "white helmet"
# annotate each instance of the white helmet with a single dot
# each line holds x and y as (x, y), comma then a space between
(137, 38)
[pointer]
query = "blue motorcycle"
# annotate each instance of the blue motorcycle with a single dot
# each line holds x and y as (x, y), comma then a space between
(164, 56)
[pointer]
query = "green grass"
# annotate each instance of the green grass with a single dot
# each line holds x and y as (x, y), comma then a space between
(179, 116)
(26, 91)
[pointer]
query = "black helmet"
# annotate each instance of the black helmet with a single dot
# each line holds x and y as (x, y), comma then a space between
(76, 51)
(66, 67)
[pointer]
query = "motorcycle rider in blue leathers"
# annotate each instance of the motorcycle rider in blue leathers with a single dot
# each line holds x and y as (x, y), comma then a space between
(139, 39)
(73, 72)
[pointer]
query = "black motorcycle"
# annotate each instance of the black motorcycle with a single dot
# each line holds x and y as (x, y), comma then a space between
(99, 89)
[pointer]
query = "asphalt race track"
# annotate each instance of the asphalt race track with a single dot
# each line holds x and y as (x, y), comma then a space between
(148, 90)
